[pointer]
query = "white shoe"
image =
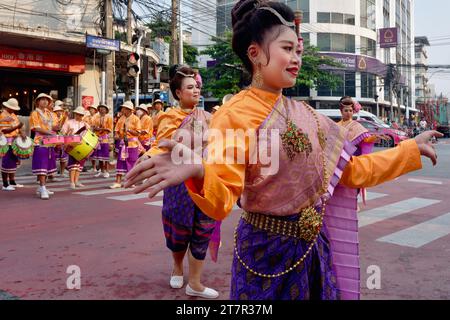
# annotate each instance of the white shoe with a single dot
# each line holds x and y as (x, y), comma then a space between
(44, 194)
(38, 191)
(176, 282)
(98, 174)
(18, 186)
(79, 185)
(64, 175)
(73, 186)
(8, 188)
(106, 175)
(116, 186)
(208, 293)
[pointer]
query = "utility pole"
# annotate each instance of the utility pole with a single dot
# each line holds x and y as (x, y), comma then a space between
(110, 57)
(180, 40)
(174, 33)
(129, 20)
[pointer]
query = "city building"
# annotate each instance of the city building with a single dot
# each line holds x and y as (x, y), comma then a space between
(349, 31)
(421, 56)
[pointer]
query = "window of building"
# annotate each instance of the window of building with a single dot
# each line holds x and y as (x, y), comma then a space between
(368, 85)
(349, 19)
(368, 14)
(368, 47)
(345, 88)
(337, 18)
(323, 17)
(302, 4)
(337, 42)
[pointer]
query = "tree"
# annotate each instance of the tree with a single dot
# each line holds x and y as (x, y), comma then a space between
(190, 54)
(228, 75)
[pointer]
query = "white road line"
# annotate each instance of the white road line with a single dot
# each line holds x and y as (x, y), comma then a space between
(393, 210)
(67, 182)
(155, 203)
(102, 185)
(425, 181)
(129, 197)
(97, 192)
(420, 234)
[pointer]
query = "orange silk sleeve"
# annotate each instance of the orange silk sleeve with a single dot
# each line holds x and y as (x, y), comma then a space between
(223, 181)
(168, 124)
(373, 169)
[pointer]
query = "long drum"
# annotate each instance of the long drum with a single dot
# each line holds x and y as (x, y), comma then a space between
(52, 141)
(23, 148)
(89, 142)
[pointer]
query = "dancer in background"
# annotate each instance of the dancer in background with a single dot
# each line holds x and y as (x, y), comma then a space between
(102, 125)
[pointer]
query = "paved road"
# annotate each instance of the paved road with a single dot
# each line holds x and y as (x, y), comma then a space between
(117, 241)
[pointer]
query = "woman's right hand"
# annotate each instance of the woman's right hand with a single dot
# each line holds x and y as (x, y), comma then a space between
(168, 169)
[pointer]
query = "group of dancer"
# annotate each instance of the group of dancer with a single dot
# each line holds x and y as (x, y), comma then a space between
(133, 134)
(298, 234)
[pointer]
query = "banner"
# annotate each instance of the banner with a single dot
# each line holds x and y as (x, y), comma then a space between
(41, 60)
(388, 38)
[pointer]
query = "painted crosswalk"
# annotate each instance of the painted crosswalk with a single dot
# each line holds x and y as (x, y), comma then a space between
(393, 210)
(414, 236)
(421, 234)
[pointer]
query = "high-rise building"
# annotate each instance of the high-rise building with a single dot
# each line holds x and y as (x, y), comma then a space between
(349, 31)
(421, 56)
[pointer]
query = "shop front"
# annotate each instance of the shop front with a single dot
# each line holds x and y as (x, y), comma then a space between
(24, 73)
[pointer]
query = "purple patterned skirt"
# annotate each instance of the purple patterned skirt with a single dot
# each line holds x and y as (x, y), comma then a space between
(269, 253)
(102, 153)
(9, 162)
(184, 224)
(44, 161)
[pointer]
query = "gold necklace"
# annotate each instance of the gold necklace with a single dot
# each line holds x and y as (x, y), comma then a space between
(310, 221)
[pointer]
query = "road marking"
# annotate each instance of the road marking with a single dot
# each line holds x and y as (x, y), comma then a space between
(155, 203)
(393, 210)
(420, 234)
(129, 197)
(66, 182)
(101, 185)
(373, 196)
(425, 181)
(103, 191)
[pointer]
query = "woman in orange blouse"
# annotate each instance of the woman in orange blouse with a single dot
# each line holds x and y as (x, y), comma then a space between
(103, 127)
(286, 245)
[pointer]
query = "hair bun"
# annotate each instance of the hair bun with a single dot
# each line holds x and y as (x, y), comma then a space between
(173, 71)
(242, 9)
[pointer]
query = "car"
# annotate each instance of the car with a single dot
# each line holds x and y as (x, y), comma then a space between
(392, 137)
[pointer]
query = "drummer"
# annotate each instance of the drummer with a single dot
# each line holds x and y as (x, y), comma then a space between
(89, 119)
(15, 128)
(127, 129)
(61, 155)
(146, 134)
(71, 127)
(156, 113)
(44, 163)
(103, 127)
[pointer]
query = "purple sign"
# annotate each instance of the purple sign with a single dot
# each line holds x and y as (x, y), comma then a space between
(357, 63)
(388, 38)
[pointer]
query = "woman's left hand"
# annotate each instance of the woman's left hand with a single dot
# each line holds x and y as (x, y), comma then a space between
(425, 145)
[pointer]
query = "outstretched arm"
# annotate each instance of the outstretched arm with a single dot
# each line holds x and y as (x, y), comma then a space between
(373, 169)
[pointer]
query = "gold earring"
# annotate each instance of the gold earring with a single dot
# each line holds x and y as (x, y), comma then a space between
(257, 80)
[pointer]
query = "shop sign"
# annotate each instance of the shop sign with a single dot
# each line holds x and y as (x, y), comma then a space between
(41, 60)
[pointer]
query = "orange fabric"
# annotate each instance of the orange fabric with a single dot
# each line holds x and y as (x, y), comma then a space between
(373, 169)
(147, 127)
(222, 184)
(14, 122)
(36, 121)
(157, 118)
(105, 122)
(169, 123)
(370, 139)
(90, 119)
(132, 123)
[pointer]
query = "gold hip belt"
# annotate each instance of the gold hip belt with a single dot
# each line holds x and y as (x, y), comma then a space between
(307, 227)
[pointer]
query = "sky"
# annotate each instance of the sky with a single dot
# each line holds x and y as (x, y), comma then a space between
(432, 20)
